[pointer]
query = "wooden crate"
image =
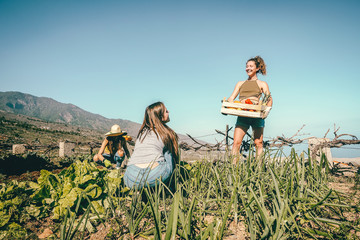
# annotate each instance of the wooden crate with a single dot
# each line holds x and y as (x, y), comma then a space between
(244, 110)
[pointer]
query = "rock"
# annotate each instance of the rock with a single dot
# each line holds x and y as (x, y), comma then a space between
(66, 149)
(18, 148)
(47, 232)
(314, 142)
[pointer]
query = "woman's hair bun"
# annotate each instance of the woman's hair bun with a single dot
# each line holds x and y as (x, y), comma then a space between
(259, 62)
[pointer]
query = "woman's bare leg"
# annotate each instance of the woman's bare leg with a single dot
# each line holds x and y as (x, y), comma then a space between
(239, 134)
(258, 140)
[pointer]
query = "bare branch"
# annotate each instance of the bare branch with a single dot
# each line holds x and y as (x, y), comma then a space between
(297, 132)
(327, 132)
(335, 130)
(341, 135)
(186, 146)
(220, 132)
(335, 143)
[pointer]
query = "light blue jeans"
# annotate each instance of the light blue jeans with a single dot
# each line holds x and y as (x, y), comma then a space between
(140, 177)
(116, 159)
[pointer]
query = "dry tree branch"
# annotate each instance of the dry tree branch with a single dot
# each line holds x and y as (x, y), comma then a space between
(279, 141)
(326, 133)
(335, 130)
(297, 132)
(345, 134)
(210, 147)
(283, 141)
(220, 132)
(334, 143)
(186, 147)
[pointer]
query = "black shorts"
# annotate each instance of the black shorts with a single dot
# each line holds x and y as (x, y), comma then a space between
(247, 122)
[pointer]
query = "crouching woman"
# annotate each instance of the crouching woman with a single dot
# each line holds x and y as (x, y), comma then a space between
(156, 150)
(114, 147)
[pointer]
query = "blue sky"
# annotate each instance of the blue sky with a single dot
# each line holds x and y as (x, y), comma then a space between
(116, 57)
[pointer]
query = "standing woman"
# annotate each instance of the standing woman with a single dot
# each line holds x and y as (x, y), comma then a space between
(249, 91)
(156, 150)
(114, 147)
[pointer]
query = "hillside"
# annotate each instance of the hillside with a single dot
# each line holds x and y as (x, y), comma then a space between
(48, 109)
(21, 129)
(47, 113)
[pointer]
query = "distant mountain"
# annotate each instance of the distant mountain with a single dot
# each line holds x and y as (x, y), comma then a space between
(48, 109)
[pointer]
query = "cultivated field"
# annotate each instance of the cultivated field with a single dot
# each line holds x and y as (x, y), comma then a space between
(266, 198)
(277, 196)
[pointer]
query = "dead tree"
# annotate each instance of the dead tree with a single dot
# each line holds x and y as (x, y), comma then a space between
(279, 141)
(335, 142)
(208, 146)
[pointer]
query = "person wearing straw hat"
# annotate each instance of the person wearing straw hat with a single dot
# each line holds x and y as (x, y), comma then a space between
(114, 147)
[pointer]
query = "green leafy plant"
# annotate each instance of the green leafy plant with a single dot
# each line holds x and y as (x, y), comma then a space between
(14, 199)
(274, 196)
(61, 191)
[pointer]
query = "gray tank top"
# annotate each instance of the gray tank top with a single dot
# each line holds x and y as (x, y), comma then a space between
(149, 150)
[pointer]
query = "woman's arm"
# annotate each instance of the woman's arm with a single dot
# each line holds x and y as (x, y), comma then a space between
(265, 89)
(235, 92)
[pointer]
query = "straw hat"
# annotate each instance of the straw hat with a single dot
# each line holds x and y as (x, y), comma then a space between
(115, 131)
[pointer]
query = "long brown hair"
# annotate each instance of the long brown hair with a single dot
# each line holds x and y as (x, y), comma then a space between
(153, 120)
(114, 143)
(259, 62)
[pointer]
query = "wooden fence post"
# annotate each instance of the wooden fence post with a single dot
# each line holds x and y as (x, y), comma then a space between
(227, 138)
(66, 149)
(18, 148)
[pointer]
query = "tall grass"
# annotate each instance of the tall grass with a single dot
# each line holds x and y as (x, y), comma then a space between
(276, 197)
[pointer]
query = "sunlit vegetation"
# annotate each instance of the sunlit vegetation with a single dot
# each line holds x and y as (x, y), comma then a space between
(272, 197)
